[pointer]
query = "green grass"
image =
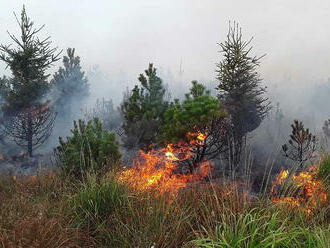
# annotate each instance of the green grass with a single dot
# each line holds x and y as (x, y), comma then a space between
(324, 171)
(95, 201)
(261, 228)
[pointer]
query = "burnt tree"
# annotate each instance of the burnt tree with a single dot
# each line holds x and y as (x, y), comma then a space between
(30, 127)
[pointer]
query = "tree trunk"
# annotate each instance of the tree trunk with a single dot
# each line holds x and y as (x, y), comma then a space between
(29, 135)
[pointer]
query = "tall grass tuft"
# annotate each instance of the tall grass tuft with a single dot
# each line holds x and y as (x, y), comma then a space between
(96, 200)
(324, 171)
(256, 228)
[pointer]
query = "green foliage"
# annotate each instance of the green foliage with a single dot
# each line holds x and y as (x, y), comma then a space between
(258, 228)
(239, 83)
(253, 229)
(133, 108)
(195, 113)
(143, 109)
(28, 119)
(70, 80)
(28, 63)
(96, 200)
(263, 227)
(324, 170)
(314, 238)
(88, 149)
(240, 90)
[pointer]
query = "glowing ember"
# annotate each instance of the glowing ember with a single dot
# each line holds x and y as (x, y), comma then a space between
(307, 191)
(158, 170)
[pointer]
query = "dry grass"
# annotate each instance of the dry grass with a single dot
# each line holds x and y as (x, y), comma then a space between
(41, 211)
(38, 232)
(32, 214)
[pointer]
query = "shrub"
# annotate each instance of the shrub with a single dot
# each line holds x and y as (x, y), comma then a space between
(88, 149)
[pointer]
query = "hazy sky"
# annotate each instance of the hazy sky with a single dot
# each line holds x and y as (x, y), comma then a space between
(124, 35)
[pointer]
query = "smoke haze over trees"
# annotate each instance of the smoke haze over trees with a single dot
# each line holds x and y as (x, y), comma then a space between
(95, 80)
(165, 123)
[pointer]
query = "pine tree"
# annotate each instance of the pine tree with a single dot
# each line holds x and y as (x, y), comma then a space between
(27, 118)
(199, 113)
(240, 89)
(143, 109)
(70, 84)
(302, 144)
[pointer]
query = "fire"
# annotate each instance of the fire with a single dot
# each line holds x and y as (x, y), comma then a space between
(197, 138)
(308, 191)
(158, 170)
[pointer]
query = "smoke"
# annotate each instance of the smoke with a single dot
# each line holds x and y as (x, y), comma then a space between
(180, 38)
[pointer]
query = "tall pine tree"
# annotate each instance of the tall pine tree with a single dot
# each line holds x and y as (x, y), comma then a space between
(143, 109)
(70, 85)
(27, 119)
(240, 89)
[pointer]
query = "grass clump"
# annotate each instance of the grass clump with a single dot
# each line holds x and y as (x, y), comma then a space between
(96, 200)
(255, 228)
(324, 170)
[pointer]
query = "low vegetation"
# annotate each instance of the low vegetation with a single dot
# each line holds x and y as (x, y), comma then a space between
(195, 174)
(324, 172)
(88, 149)
(52, 211)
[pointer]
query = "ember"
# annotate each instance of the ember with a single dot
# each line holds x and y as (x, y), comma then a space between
(158, 170)
(306, 190)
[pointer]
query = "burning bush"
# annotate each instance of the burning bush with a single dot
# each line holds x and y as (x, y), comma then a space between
(303, 191)
(159, 170)
(200, 121)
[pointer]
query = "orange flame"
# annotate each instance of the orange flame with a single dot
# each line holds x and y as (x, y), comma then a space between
(309, 191)
(157, 170)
